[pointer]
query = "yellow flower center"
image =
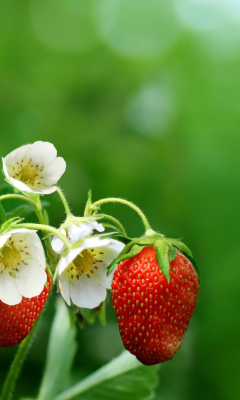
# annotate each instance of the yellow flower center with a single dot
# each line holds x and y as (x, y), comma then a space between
(84, 261)
(28, 173)
(10, 256)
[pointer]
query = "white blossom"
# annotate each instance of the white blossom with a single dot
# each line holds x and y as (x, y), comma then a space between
(22, 266)
(82, 272)
(75, 233)
(34, 168)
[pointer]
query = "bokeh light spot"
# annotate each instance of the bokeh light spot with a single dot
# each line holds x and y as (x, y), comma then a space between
(151, 110)
(138, 28)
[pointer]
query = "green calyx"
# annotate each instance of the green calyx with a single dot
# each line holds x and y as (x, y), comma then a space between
(165, 249)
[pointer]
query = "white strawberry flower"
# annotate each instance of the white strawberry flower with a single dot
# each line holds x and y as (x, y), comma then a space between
(82, 272)
(75, 232)
(22, 266)
(34, 168)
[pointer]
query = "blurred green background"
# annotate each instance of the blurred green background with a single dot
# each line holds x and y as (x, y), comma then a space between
(142, 99)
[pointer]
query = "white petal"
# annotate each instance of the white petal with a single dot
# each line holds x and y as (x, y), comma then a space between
(31, 279)
(41, 153)
(9, 293)
(65, 261)
(79, 232)
(86, 244)
(94, 242)
(110, 252)
(20, 185)
(97, 226)
(3, 238)
(57, 244)
(23, 230)
(33, 243)
(64, 286)
(45, 190)
(87, 292)
(53, 171)
(16, 155)
(5, 169)
(101, 275)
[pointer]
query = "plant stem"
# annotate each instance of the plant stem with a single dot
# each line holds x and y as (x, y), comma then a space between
(115, 222)
(46, 228)
(127, 203)
(17, 196)
(65, 204)
(17, 363)
(38, 210)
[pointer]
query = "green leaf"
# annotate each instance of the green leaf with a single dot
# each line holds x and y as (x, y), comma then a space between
(23, 210)
(2, 214)
(62, 348)
(161, 249)
(6, 188)
(26, 398)
(45, 217)
(172, 252)
(122, 238)
(102, 313)
(181, 246)
(88, 314)
(119, 257)
(12, 221)
(123, 378)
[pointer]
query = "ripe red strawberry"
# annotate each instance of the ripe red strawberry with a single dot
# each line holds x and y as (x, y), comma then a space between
(152, 313)
(17, 321)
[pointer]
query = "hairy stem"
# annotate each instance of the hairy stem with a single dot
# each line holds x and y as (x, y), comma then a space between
(115, 222)
(17, 196)
(65, 204)
(127, 203)
(46, 228)
(38, 210)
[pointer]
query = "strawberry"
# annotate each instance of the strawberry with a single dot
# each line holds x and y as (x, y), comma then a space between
(17, 321)
(153, 304)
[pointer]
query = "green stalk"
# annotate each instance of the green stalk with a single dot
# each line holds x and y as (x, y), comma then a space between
(65, 204)
(17, 196)
(127, 203)
(46, 228)
(38, 210)
(115, 222)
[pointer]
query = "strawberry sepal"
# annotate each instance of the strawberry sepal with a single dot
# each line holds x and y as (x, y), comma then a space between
(162, 249)
(165, 249)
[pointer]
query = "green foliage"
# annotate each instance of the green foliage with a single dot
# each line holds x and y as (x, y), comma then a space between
(123, 378)
(2, 214)
(23, 210)
(61, 351)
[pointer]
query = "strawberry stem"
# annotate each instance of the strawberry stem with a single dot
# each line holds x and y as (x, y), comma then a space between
(65, 204)
(46, 228)
(115, 222)
(17, 196)
(127, 203)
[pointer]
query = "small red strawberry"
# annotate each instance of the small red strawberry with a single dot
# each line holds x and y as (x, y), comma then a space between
(153, 304)
(17, 321)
